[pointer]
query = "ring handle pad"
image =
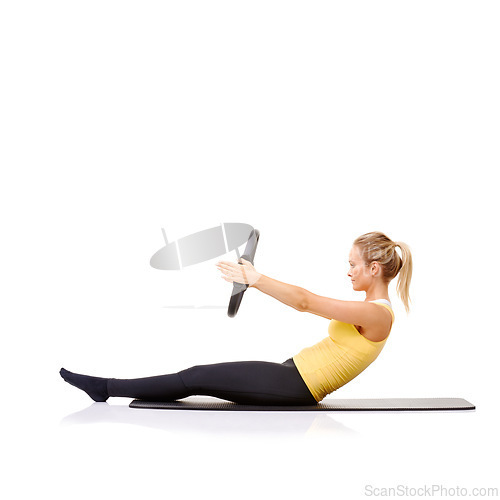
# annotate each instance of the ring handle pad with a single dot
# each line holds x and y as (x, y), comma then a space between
(240, 288)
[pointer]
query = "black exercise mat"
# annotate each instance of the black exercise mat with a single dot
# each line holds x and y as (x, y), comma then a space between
(391, 404)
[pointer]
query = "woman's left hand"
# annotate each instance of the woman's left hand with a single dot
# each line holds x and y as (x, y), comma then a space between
(239, 273)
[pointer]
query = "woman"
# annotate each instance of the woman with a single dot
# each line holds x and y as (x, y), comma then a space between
(357, 333)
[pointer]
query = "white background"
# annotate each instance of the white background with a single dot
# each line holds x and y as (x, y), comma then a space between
(314, 122)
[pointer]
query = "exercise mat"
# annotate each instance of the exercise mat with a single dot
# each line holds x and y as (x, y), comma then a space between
(328, 404)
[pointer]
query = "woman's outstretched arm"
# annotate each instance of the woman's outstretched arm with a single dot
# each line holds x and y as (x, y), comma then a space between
(291, 295)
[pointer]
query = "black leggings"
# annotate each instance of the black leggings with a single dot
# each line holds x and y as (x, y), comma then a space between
(244, 382)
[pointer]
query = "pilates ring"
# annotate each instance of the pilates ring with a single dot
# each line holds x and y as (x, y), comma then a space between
(240, 288)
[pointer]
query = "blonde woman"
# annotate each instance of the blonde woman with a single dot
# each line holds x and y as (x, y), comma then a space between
(357, 332)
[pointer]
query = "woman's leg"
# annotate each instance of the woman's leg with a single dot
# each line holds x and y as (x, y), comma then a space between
(244, 382)
(249, 382)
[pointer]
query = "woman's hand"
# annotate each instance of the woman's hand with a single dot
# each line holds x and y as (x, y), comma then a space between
(239, 273)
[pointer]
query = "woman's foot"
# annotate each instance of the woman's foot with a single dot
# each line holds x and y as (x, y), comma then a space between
(95, 387)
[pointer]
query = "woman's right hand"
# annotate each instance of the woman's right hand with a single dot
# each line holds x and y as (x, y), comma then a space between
(243, 273)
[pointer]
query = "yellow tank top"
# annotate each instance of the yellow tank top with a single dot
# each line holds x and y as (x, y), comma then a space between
(338, 358)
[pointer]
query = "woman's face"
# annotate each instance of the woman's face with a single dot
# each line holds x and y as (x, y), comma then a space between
(358, 272)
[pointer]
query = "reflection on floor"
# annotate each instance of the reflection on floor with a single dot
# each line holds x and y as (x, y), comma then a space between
(220, 422)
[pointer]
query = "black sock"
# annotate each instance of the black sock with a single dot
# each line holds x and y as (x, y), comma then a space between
(95, 387)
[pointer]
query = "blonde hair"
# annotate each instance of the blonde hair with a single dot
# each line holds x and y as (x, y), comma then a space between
(377, 247)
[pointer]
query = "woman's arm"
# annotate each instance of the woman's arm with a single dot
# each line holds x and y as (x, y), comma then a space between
(291, 295)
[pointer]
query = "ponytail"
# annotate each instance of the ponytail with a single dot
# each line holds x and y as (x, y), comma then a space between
(404, 278)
